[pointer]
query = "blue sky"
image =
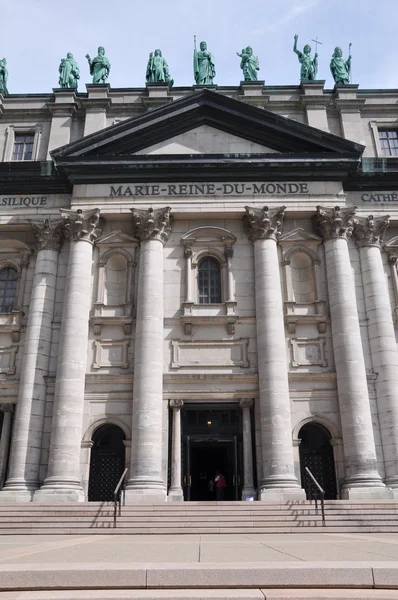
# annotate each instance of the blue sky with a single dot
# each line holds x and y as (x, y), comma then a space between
(36, 34)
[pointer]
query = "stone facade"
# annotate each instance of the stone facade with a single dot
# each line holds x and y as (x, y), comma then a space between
(283, 356)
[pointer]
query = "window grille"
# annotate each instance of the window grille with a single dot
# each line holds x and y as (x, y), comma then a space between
(23, 146)
(209, 281)
(8, 289)
(389, 142)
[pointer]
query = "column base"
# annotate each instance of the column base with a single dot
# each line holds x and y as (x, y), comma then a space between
(282, 494)
(145, 496)
(15, 493)
(176, 495)
(59, 492)
(367, 493)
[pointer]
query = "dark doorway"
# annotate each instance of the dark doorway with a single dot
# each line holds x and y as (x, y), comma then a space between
(107, 462)
(316, 453)
(212, 441)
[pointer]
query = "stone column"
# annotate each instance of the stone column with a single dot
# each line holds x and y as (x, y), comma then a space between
(5, 439)
(279, 482)
(369, 234)
(248, 484)
(63, 481)
(175, 492)
(23, 472)
(362, 477)
(152, 228)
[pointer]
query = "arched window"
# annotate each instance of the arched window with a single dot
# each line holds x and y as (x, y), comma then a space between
(8, 289)
(209, 281)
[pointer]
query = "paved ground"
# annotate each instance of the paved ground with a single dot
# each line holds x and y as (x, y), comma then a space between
(251, 548)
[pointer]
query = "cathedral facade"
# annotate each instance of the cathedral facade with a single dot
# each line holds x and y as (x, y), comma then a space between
(196, 281)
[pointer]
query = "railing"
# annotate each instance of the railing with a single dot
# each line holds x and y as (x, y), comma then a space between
(120, 490)
(322, 493)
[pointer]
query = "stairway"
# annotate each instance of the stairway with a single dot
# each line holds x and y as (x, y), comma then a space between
(199, 517)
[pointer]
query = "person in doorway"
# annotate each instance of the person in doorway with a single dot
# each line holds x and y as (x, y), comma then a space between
(221, 484)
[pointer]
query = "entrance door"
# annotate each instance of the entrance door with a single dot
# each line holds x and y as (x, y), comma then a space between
(204, 454)
(316, 453)
(107, 462)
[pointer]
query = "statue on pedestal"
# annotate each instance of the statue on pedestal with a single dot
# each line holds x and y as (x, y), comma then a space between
(249, 64)
(99, 66)
(68, 72)
(3, 76)
(340, 68)
(203, 65)
(309, 64)
(157, 69)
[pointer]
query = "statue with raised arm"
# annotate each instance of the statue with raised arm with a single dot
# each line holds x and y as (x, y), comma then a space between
(3, 76)
(203, 66)
(309, 64)
(158, 70)
(68, 72)
(99, 66)
(249, 64)
(340, 68)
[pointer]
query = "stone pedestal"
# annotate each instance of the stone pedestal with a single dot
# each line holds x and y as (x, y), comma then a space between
(23, 472)
(279, 482)
(63, 481)
(175, 491)
(369, 234)
(63, 110)
(248, 485)
(146, 484)
(362, 479)
(96, 106)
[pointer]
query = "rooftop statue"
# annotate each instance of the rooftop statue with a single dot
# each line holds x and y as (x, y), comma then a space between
(309, 64)
(340, 68)
(249, 64)
(3, 76)
(203, 65)
(68, 72)
(99, 66)
(157, 69)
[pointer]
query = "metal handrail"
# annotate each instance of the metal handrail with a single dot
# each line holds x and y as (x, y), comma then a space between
(117, 496)
(322, 493)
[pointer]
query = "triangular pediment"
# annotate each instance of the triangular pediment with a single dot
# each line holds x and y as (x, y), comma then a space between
(254, 130)
(116, 238)
(299, 235)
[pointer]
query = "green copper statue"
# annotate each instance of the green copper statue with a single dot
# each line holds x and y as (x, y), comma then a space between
(157, 69)
(99, 66)
(68, 72)
(249, 64)
(3, 76)
(203, 65)
(340, 68)
(309, 64)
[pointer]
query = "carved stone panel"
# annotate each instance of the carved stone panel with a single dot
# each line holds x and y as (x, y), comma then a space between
(110, 353)
(7, 359)
(210, 354)
(308, 352)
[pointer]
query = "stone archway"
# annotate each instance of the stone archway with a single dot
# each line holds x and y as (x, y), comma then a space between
(107, 462)
(316, 453)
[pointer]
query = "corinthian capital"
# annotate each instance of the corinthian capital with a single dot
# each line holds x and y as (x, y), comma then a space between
(81, 224)
(335, 222)
(48, 236)
(264, 223)
(369, 231)
(176, 404)
(152, 224)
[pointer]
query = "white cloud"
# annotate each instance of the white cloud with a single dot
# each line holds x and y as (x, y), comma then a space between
(291, 14)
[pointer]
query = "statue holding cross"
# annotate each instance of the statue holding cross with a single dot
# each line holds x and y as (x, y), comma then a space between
(309, 64)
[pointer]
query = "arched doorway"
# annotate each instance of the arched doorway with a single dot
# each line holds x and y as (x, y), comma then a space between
(107, 462)
(316, 453)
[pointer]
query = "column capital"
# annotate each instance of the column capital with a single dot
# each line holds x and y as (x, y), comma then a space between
(264, 223)
(176, 404)
(152, 224)
(81, 224)
(7, 408)
(48, 235)
(335, 222)
(369, 231)
(246, 402)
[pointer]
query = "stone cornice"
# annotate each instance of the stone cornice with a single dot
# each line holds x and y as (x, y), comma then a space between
(48, 235)
(152, 224)
(81, 224)
(263, 223)
(335, 222)
(369, 231)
